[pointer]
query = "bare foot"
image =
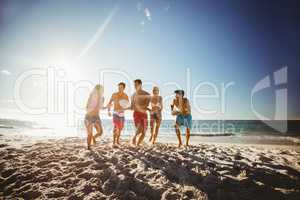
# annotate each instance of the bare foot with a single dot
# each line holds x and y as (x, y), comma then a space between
(94, 140)
(97, 135)
(132, 145)
(134, 141)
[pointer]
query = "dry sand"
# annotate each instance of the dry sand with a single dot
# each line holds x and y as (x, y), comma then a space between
(64, 169)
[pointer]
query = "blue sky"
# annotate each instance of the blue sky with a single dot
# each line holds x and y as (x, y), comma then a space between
(219, 42)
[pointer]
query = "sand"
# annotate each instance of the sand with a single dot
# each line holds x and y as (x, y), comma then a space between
(64, 169)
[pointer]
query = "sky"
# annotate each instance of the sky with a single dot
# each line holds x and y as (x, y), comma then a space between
(217, 51)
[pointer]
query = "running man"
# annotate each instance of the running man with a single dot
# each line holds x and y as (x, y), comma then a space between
(139, 104)
(155, 117)
(182, 109)
(92, 119)
(121, 103)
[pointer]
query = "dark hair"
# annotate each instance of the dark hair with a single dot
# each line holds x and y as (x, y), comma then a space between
(181, 92)
(123, 84)
(138, 81)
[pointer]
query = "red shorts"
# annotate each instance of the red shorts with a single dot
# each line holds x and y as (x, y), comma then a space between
(140, 119)
(118, 121)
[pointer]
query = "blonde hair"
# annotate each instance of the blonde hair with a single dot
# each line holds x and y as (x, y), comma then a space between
(155, 88)
(99, 88)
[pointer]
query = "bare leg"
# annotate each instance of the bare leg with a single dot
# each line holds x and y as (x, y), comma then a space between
(141, 138)
(152, 133)
(89, 129)
(118, 136)
(93, 138)
(178, 135)
(187, 134)
(99, 130)
(115, 135)
(152, 124)
(137, 132)
(158, 121)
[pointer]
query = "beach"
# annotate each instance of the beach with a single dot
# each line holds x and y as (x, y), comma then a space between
(65, 169)
(149, 100)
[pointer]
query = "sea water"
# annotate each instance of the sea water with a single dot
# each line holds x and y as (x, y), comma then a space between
(199, 127)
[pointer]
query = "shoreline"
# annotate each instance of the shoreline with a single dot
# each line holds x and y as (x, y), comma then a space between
(268, 141)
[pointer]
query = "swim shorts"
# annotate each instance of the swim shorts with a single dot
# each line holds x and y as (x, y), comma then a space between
(140, 119)
(184, 120)
(118, 120)
(92, 119)
(154, 116)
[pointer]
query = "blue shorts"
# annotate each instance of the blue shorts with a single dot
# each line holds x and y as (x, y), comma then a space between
(184, 120)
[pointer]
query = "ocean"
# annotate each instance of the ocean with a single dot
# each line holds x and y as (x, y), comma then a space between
(199, 127)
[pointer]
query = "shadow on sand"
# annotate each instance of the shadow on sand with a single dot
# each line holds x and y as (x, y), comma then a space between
(63, 169)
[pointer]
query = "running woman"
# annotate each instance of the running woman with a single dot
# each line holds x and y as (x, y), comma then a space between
(155, 117)
(92, 119)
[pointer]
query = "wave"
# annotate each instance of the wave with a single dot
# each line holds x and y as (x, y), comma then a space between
(6, 127)
(14, 123)
(213, 134)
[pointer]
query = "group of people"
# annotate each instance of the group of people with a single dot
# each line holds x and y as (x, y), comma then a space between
(141, 103)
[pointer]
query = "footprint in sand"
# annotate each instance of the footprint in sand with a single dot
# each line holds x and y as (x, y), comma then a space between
(43, 163)
(238, 157)
(86, 175)
(8, 172)
(3, 145)
(56, 193)
(265, 159)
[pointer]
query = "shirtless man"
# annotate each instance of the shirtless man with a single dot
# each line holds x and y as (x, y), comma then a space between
(139, 104)
(118, 113)
(182, 109)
